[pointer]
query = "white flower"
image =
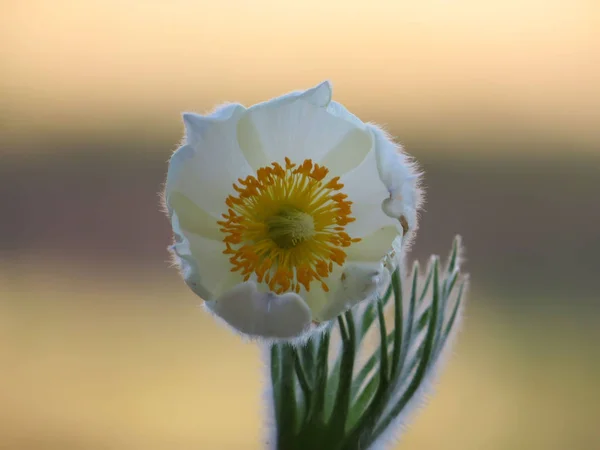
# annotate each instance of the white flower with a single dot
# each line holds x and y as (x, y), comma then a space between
(289, 212)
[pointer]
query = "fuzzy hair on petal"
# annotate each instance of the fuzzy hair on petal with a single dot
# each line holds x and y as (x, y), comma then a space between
(196, 124)
(400, 174)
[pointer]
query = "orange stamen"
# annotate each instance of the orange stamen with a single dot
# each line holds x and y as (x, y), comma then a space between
(293, 196)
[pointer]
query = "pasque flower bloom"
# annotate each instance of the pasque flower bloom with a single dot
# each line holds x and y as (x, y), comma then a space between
(289, 212)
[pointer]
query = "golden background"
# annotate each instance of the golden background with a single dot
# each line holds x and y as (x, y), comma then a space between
(101, 344)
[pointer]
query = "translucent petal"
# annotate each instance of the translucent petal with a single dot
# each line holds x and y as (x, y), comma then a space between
(296, 129)
(399, 175)
(197, 125)
(205, 169)
(248, 135)
(374, 246)
(359, 282)
(319, 95)
(355, 146)
(262, 314)
(348, 153)
(339, 110)
(366, 191)
(250, 144)
(317, 298)
(203, 262)
(193, 218)
(180, 158)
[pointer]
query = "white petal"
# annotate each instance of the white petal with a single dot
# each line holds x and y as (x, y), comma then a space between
(339, 110)
(248, 136)
(352, 150)
(262, 314)
(360, 282)
(190, 273)
(179, 160)
(205, 169)
(250, 144)
(187, 265)
(366, 191)
(349, 153)
(400, 178)
(375, 246)
(192, 218)
(205, 268)
(197, 126)
(296, 129)
(319, 95)
(317, 298)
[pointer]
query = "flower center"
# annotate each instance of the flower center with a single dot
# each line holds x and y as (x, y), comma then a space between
(286, 226)
(290, 226)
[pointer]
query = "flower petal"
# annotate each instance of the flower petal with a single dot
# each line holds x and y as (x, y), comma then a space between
(294, 128)
(319, 95)
(360, 282)
(250, 144)
(399, 175)
(317, 298)
(247, 134)
(262, 314)
(204, 266)
(376, 245)
(348, 153)
(205, 169)
(194, 219)
(339, 110)
(366, 191)
(179, 160)
(197, 126)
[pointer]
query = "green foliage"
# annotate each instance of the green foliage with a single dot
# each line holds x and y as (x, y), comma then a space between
(325, 402)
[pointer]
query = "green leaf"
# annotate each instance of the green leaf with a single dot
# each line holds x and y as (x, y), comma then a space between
(440, 301)
(308, 356)
(316, 413)
(428, 347)
(370, 313)
(304, 383)
(321, 409)
(383, 351)
(276, 377)
(390, 289)
(412, 305)
(425, 287)
(366, 422)
(452, 320)
(398, 325)
(453, 259)
(361, 403)
(368, 367)
(337, 423)
(368, 317)
(286, 422)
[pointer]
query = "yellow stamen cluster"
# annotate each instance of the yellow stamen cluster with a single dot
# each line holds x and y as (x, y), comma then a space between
(286, 226)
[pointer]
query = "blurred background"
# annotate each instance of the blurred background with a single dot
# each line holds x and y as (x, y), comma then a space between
(101, 344)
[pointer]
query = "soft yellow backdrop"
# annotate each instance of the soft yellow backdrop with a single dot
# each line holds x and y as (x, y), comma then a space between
(101, 344)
